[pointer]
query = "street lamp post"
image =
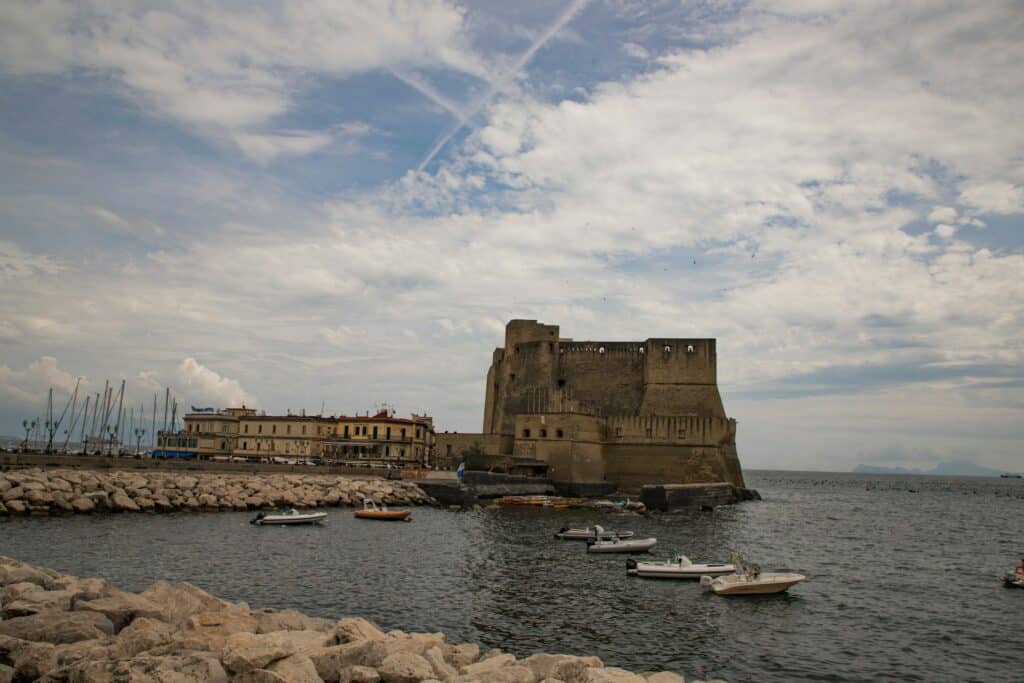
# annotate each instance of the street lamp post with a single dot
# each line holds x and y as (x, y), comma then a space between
(28, 426)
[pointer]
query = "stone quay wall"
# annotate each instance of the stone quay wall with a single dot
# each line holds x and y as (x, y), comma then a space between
(55, 491)
(60, 628)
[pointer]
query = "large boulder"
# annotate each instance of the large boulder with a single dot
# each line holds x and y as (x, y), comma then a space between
(121, 607)
(404, 667)
(13, 571)
(355, 628)
(293, 669)
(120, 502)
(665, 677)
(290, 620)
(613, 674)
(331, 661)
(144, 634)
(13, 494)
(81, 504)
(442, 669)
(179, 601)
(244, 652)
(213, 628)
(58, 627)
(487, 665)
(190, 667)
(461, 655)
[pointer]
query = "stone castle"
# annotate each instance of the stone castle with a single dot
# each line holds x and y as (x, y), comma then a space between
(600, 413)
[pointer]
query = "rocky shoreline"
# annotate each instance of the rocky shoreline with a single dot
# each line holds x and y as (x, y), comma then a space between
(58, 491)
(60, 628)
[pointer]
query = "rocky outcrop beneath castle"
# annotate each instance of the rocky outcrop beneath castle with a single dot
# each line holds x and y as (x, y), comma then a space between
(55, 491)
(670, 497)
(61, 628)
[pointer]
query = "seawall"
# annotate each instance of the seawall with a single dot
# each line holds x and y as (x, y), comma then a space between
(58, 627)
(57, 491)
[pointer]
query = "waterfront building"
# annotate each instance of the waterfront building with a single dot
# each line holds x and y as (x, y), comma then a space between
(242, 434)
(382, 439)
(599, 412)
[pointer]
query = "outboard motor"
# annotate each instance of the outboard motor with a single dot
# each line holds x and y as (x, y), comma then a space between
(257, 518)
(631, 566)
(705, 582)
(561, 531)
(591, 541)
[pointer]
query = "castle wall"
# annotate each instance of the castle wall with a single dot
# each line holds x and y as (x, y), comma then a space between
(633, 465)
(607, 375)
(571, 445)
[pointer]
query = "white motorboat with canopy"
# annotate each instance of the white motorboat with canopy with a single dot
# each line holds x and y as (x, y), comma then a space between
(619, 545)
(750, 580)
(582, 534)
(292, 517)
(679, 567)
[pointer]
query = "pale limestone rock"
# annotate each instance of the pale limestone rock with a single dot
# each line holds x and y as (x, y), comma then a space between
(442, 669)
(5, 485)
(59, 484)
(665, 677)
(144, 634)
(6, 674)
(290, 620)
(515, 673)
(120, 502)
(247, 651)
(15, 506)
(544, 665)
(13, 494)
(330, 661)
(32, 486)
(30, 660)
(38, 497)
(121, 607)
(613, 674)
(3, 509)
(36, 601)
(487, 664)
(179, 601)
(215, 627)
(193, 667)
(13, 571)
(58, 627)
(361, 674)
(355, 628)
(461, 655)
(82, 504)
(404, 667)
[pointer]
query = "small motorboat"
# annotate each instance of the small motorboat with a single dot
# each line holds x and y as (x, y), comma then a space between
(373, 511)
(619, 545)
(750, 580)
(1013, 580)
(582, 534)
(293, 516)
(679, 567)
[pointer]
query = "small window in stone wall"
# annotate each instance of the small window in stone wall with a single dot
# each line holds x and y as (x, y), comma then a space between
(561, 384)
(558, 433)
(618, 432)
(512, 377)
(526, 433)
(682, 433)
(648, 432)
(689, 349)
(543, 433)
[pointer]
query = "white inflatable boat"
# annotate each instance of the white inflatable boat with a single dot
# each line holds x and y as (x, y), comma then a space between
(679, 567)
(582, 534)
(293, 516)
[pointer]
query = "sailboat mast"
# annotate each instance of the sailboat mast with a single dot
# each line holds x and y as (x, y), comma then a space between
(85, 418)
(153, 433)
(49, 421)
(74, 420)
(120, 412)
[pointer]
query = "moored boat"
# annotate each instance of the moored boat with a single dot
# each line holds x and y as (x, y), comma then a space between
(619, 545)
(292, 517)
(679, 567)
(750, 580)
(1011, 475)
(381, 512)
(1013, 580)
(582, 534)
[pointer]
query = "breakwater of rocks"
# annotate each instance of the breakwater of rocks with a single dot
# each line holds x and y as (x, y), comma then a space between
(60, 628)
(54, 491)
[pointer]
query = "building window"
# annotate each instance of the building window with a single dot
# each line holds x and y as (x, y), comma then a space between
(223, 445)
(259, 429)
(346, 431)
(303, 430)
(273, 429)
(245, 428)
(543, 433)
(288, 429)
(526, 433)
(245, 445)
(561, 384)
(419, 434)
(512, 377)
(387, 433)
(647, 432)
(403, 433)
(374, 431)
(558, 433)
(682, 433)
(618, 432)
(448, 450)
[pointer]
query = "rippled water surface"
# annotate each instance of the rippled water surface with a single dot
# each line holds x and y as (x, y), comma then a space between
(903, 577)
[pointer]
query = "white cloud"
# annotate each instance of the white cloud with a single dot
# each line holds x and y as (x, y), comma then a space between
(144, 229)
(995, 196)
(942, 214)
(225, 73)
(28, 387)
(207, 386)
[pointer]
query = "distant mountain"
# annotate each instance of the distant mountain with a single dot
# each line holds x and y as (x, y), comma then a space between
(956, 468)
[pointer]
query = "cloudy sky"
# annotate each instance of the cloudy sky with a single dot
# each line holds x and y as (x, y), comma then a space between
(336, 203)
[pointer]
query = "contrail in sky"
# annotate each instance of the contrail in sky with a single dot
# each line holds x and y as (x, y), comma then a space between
(564, 18)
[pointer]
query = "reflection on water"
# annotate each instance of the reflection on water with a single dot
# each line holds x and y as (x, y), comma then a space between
(902, 584)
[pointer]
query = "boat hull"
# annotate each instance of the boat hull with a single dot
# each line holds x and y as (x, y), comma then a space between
(290, 520)
(642, 545)
(385, 515)
(693, 572)
(1013, 581)
(765, 584)
(588, 534)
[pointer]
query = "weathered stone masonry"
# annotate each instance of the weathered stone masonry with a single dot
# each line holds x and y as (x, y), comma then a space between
(630, 413)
